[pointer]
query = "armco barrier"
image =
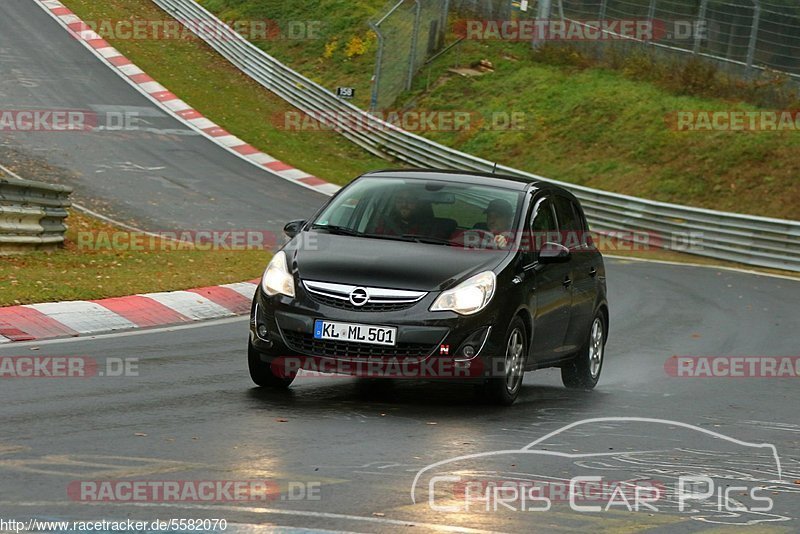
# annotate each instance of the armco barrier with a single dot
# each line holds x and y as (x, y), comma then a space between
(31, 215)
(746, 239)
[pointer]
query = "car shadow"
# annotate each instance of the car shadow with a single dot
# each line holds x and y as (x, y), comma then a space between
(413, 396)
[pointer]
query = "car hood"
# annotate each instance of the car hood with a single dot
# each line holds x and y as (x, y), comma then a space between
(386, 263)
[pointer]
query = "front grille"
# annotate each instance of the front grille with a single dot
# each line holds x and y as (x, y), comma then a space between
(368, 307)
(377, 299)
(306, 344)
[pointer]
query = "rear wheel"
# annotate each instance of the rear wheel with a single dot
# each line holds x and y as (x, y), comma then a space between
(584, 371)
(263, 374)
(504, 389)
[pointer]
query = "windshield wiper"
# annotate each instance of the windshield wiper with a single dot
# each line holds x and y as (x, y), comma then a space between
(427, 239)
(339, 230)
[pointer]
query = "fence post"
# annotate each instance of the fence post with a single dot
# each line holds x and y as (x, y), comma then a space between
(543, 14)
(445, 20)
(602, 16)
(751, 47)
(701, 19)
(376, 77)
(414, 38)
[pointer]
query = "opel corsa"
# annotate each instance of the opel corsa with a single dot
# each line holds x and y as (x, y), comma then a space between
(435, 275)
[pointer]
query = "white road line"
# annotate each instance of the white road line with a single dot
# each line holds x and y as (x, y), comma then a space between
(139, 332)
(704, 266)
(83, 317)
(270, 511)
(192, 305)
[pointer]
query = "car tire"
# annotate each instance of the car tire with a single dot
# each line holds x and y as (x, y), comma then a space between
(263, 374)
(583, 372)
(504, 390)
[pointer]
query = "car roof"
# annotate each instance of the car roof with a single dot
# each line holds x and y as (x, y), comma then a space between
(516, 183)
(470, 177)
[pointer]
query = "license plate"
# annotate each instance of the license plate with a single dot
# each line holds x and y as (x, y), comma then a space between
(357, 333)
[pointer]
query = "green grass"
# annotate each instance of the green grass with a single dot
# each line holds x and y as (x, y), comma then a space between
(84, 272)
(598, 128)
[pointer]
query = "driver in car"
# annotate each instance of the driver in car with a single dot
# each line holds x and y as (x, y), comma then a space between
(499, 216)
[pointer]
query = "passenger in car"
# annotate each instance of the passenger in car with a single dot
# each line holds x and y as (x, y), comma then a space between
(408, 216)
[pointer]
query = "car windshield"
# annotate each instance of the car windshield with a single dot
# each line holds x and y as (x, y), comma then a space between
(426, 211)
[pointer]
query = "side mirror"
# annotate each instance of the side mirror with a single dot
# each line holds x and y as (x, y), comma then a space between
(554, 253)
(293, 228)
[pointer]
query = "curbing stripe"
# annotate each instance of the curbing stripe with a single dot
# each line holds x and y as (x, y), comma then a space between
(143, 311)
(21, 323)
(34, 322)
(195, 307)
(246, 289)
(84, 317)
(225, 297)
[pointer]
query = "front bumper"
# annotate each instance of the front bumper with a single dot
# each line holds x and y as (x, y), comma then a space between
(430, 345)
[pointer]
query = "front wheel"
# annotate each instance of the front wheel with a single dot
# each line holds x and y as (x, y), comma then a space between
(584, 371)
(504, 389)
(263, 374)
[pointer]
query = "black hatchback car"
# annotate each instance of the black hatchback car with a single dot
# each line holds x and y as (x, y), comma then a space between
(435, 275)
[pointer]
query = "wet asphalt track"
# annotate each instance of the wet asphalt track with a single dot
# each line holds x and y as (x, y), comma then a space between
(192, 413)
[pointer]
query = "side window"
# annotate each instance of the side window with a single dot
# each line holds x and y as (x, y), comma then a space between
(570, 222)
(543, 226)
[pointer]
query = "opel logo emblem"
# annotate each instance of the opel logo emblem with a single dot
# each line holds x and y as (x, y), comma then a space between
(359, 296)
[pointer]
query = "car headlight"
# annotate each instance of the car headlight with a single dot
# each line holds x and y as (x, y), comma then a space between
(468, 297)
(277, 278)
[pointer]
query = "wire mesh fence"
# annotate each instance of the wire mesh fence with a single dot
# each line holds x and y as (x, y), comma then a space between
(409, 31)
(748, 36)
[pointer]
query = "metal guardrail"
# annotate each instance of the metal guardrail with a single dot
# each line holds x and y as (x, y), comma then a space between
(761, 241)
(31, 214)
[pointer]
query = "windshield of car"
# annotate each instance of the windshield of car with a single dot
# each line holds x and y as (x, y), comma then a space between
(425, 211)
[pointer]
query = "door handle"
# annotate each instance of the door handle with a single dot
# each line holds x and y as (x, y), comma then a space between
(593, 272)
(567, 281)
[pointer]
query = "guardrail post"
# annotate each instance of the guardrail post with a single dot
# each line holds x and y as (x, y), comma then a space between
(701, 19)
(751, 47)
